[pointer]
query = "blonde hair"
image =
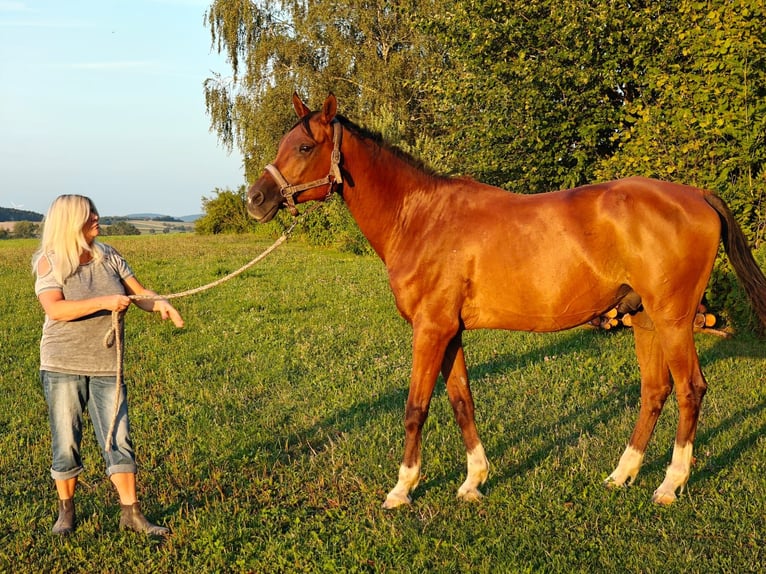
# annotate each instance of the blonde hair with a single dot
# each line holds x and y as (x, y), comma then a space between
(63, 237)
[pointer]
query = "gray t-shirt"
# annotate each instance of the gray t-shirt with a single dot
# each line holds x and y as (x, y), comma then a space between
(77, 347)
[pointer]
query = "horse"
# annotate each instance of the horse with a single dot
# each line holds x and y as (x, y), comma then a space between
(463, 255)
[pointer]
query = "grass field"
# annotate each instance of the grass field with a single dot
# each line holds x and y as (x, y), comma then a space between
(269, 430)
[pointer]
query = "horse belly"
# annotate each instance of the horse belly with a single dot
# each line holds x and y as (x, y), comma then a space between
(544, 296)
(495, 315)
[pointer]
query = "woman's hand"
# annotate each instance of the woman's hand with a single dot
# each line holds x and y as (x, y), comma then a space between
(161, 306)
(115, 302)
(167, 311)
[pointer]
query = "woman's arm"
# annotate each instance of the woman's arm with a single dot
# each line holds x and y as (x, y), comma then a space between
(58, 308)
(161, 306)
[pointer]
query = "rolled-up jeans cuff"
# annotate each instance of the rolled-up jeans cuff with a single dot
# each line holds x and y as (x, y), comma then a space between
(57, 475)
(119, 468)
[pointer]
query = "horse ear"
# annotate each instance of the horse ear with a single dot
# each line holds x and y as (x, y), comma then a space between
(329, 109)
(300, 108)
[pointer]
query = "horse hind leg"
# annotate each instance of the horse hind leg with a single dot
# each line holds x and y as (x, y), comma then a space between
(690, 386)
(460, 396)
(655, 388)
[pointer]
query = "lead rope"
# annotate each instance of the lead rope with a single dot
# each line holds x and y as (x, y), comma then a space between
(114, 335)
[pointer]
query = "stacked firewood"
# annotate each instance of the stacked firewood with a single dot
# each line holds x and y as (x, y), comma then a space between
(703, 321)
(610, 320)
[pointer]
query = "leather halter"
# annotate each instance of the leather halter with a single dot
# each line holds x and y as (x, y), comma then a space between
(333, 178)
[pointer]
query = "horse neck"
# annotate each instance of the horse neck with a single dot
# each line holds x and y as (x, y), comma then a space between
(382, 183)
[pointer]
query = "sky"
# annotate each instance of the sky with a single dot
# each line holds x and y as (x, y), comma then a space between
(105, 98)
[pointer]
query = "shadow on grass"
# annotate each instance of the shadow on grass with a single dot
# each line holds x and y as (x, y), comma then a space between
(717, 463)
(601, 411)
(357, 417)
(736, 347)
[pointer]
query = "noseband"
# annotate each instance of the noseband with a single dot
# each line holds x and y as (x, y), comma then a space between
(333, 178)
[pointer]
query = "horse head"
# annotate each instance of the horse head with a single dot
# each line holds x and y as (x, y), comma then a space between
(307, 166)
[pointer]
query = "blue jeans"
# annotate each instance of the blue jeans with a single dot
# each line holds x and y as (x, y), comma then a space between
(67, 397)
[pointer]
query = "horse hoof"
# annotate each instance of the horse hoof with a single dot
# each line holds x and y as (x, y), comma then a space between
(394, 501)
(470, 494)
(612, 483)
(664, 498)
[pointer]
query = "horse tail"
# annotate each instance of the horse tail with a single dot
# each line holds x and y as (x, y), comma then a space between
(741, 257)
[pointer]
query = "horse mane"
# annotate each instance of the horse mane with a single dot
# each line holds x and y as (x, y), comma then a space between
(377, 139)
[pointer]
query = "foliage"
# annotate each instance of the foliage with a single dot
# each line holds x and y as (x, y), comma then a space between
(333, 226)
(365, 51)
(121, 228)
(528, 96)
(530, 93)
(701, 118)
(269, 429)
(25, 229)
(167, 219)
(226, 212)
(727, 295)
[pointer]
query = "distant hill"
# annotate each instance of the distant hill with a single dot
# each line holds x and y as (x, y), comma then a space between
(12, 214)
(151, 217)
(161, 217)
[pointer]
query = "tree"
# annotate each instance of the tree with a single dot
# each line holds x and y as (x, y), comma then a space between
(702, 118)
(121, 228)
(529, 94)
(25, 229)
(367, 52)
(225, 213)
(13, 214)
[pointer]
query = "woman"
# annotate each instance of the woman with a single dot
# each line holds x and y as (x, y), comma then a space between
(79, 283)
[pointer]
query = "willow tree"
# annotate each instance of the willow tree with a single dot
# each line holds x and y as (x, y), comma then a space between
(366, 52)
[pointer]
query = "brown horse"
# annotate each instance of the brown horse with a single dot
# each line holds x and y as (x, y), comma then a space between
(463, 255)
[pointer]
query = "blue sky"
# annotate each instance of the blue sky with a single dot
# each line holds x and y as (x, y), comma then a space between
(105, 98)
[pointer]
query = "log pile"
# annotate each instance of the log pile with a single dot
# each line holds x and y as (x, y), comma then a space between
(610, 320)
(704, 321)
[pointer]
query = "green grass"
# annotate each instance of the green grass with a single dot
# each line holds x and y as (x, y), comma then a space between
(269, 430)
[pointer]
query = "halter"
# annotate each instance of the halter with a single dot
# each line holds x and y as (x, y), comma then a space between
(290, 191)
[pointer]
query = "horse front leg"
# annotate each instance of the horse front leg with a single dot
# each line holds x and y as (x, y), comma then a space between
(461, 399)
(428, 352)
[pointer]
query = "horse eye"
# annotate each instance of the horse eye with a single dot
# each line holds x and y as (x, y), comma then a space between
(305, 148)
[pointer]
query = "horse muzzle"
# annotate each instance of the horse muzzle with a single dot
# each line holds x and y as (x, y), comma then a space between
(263, 203)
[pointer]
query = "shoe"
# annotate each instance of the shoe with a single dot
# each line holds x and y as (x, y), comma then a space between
(65, 522)
(131, 518)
